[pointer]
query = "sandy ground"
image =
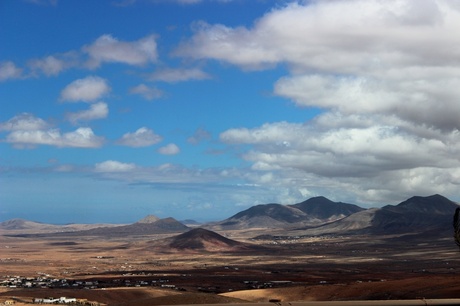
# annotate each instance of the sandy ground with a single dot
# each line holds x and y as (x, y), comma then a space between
(308, 270)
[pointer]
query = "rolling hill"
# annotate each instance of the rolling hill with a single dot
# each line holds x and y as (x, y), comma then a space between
(200, 239)
(312, 212)
(27, 226)
(147, 226)
(160, 226)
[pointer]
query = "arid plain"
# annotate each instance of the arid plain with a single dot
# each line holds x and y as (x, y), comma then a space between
(308, 269)
(216, 265)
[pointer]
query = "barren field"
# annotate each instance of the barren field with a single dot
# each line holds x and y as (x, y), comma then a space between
(140, 271)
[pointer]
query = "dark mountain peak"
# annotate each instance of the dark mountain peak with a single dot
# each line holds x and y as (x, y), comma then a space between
(149, 219)
(434, 204)
(323, 208)
(200, 233)
(203, 239)
(274, 211)
(318, 199)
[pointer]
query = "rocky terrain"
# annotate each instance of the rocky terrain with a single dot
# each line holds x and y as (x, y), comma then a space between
(317, 250)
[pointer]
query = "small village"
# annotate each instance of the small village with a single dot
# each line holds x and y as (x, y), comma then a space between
(51, 282)
(46, 281)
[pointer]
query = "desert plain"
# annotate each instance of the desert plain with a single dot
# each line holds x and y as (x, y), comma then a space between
(145, 270)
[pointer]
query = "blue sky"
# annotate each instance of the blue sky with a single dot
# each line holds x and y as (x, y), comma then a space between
(198, 109)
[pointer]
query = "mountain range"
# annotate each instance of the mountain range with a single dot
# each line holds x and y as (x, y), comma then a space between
(315, 216)
(314, 211)
(146, 226)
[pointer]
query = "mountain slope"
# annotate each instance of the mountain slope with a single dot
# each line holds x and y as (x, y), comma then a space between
(325, 209)
(148, 219)
(432, 214)
(312, 212)
(264, 215)
(22, 226)
(417, 214)
(200, 239)
(161, 226)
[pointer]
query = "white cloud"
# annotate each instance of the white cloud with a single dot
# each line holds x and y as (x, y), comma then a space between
(88, 89)
(149, 93)
(8, 71)
(98, 110)
(50, 65)
(24, 122)
(179, 75)
(28, 131)
(368, 155)
(109, 49)
(80, 138)
(114, 166)
(355, 56)
(169, 149)
(53, 65)
(390, 124)
(143, 137)
(333, 35)
(429, 99)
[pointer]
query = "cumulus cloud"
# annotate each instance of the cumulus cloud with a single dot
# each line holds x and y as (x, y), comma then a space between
(143, 137)
(50, 65)
(109, 49)
(149, 93)
(331, 35)
(88, 89)
(80, 138)
(98, 110)
(53, 65)
(389, 124)
(179, 75)
(24, 122)
(8, 71)
(352, 56)
(169, 149)
(365, 154)
(28, 131)
(114, 166)
(431, 99)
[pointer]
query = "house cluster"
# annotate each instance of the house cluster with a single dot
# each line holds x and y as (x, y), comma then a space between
(50, 282)
(55, 301)
(253, 284)
(64, 300)
(51, 300)
(40, 282)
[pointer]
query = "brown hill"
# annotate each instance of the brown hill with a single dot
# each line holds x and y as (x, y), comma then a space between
(161, 226)
(200, 239)
(22, 226)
